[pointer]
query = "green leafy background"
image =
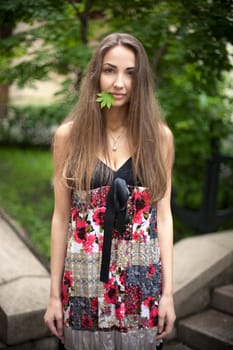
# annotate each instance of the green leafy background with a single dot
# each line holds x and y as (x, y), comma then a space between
(189, 45)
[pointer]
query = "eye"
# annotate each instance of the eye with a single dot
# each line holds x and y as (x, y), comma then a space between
(108, 70)
(130, 72)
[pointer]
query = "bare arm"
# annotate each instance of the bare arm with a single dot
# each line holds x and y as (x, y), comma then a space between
(59, 228)
(165, 233)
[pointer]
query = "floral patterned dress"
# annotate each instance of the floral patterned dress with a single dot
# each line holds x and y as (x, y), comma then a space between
(122, 312)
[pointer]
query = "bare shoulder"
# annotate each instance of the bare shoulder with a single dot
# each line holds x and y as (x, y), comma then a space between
(63, 131)
(60, 144)
(167, 144)
(166, 133)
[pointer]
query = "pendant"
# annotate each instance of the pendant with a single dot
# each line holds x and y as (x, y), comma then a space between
(114, 148)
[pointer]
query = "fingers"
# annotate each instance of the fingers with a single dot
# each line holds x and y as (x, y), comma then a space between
(60, 327)
(55, 327)
(53, 317)
(165, 326)
(167, 330)
(161, 324)
(166, 316)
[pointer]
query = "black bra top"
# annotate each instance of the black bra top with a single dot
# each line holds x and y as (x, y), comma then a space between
(104, 175)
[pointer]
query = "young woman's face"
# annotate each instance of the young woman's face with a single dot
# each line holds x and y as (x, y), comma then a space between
(117, 74)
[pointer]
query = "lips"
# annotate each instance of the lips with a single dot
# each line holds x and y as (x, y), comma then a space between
(118, 96)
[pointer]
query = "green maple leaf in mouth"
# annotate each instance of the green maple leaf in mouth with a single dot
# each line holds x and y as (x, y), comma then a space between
(105, 99)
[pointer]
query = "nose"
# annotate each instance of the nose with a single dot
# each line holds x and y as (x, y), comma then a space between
(118, 83)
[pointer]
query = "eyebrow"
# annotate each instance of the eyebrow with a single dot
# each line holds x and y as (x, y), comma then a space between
(113, 66)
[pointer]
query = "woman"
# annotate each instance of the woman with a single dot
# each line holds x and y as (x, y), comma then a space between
(112, 237)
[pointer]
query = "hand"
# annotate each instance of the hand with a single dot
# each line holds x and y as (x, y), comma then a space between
(166, 315)
(53, 317)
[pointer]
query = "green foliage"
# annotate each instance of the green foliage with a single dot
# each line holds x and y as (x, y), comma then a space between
(58, 47)
(200, 29)
(197, 120)
(32, 125)
(15, 11)
(26, 192)
(187, 43)
(105, 99)
(195, 33)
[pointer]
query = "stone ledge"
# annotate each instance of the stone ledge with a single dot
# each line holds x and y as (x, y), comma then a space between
(24, 289)
(201, 263)
(21, 314)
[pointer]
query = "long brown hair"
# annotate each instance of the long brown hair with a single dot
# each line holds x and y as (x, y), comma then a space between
(144, 124)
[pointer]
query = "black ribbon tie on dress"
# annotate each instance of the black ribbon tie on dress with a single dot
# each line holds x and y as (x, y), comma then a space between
(116, 216)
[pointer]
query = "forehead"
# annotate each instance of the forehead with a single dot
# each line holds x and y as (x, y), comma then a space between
(120, 55)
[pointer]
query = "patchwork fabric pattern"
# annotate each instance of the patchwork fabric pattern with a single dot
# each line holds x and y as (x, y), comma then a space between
(130, 298)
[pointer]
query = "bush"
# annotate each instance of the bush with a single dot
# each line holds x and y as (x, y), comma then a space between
(32, 125)
(26, 191)
(202, 126)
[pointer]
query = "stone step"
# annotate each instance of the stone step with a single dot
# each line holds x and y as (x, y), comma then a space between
(175, 346)
(49, 343)
(209, 330)
(223, 299)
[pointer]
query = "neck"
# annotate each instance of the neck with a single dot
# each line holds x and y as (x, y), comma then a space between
(115, 118)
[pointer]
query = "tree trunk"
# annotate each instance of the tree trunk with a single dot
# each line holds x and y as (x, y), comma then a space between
(4, 99)
(83, 16)
(5, 32)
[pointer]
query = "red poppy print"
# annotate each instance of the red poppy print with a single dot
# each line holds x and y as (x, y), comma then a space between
(151, 270)
(133, 299)
(74, 213)
(101, 241)
(68, 279)
(94, 305)
(87, 322)
(80, 232)
(122, 277)
(133, 290)
(142, 200)
(136, 236)
(67, 283)
(153, 321)
(149, 302)
(98, 196)
(64, 294)
(88, 243)
(139, 236)
(98, 216)
(111, 292)
(110, 295)
(120, 311)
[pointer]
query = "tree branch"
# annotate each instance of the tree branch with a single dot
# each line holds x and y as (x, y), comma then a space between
(157, 56)
(83, 17)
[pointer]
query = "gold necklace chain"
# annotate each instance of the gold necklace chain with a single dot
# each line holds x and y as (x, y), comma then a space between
(115, 140)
